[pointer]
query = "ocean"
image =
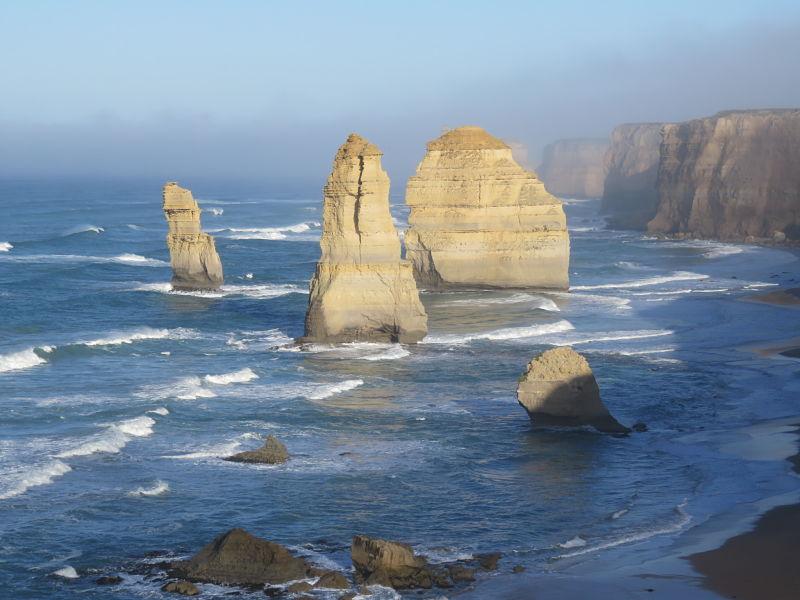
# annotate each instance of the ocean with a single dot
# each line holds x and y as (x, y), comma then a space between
(120, 397)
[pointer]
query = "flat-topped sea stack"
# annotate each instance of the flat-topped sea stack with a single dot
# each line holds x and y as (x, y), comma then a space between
(734, 177)
(574, 168)
(195, 262)
(559, 389)
(362, 290)
(478, 219)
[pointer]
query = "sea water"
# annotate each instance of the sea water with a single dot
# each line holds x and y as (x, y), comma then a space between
(120, 398)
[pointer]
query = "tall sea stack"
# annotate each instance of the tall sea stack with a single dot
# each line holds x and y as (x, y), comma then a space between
(734, 176)
(574, 168)
(478, 219)
(361, 290)
(195, 262)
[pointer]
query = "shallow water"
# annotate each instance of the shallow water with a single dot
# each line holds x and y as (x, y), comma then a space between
(120, 397)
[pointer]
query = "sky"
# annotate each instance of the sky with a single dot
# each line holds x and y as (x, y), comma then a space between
(266, 91)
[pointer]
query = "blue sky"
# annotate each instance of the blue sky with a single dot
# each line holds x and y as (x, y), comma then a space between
(181, 85)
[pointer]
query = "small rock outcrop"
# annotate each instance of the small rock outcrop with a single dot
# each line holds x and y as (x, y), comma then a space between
(734, 177)
(574, 168)
(273, 452)
(559, 389)
(195, 262)
(239, 558)
(479, 219)
(630, 197)
(361, 290)
(332, 580)
(184, 588)
(391, 564)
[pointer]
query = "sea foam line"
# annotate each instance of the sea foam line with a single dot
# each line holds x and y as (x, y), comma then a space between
(157, 489)
(23, 359)
(36, 476)
(507, 333)
(259, 291)
(5, 246)
(676, 276)
(328, 390)
(266, 233)
(115, 437)
(240, 376)
(124, 259)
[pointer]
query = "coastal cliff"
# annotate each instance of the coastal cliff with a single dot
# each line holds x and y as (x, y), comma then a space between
(361, 290)
(734, 176)
(630, 197)
(574, 168)
(195, 262)
(479, 219)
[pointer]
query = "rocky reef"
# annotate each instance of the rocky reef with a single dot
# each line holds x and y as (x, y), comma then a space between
(479, 219)
(574, 168)
(273, 452)
(734, 176)
(630, 197)
(361, 290)
(195, 262)
(559, 389)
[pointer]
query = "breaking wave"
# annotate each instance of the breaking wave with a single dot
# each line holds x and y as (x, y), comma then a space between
(576, 542)
(328, 390)
(67, 573)
(157, 489)
(393, 353)
(143, 333)
(216, 211)
(537, 301)
(115, 437)
(267, 233)
(122, 259)
(262, 291)
(676, 276)
(36, 476)
(508, 333)
(83, 229)
(5, 246)
(622, 336)
(240, 376)
(24, 359)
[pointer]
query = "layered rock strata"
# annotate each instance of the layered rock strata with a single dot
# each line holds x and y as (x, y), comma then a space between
(734, 176)
(195, 262)
(630, 197)
(559, 389)
(479, 219)
(574, 168)
(361, 290)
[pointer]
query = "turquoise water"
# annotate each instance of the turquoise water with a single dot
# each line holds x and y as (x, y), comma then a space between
(119, 398)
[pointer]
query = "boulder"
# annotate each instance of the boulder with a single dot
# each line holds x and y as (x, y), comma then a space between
(195, 262)
(332, 580)
(559, 389)
(479, 219)
(239, 558)
(390, 564)
(273, 452)
(184, 588)
(361, 289)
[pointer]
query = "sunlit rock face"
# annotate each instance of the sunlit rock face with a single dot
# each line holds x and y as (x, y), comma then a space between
(574, 168)
(734, 176)
(630, 198)
(195, 262)
(361, 290)
(478, 219)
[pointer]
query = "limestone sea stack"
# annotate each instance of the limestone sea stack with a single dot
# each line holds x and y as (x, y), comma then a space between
(478, 219)
(630, 198)
(574, 168)
(559, 389)
(195, 262)
(734, 176)
(362, 290)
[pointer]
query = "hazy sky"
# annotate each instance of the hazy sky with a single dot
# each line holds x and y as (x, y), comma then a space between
(265, 90)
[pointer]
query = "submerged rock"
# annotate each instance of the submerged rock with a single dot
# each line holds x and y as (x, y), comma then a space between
(273, 452)
(479, 219)
(361, 290)
(108, 580)
(558, 388)
(574, 168)
(239, 558)
(390, 564)
(195, 262)
(184, 588)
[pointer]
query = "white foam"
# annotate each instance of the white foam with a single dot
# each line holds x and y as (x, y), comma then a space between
(537, 301)
(440, 554)
(142, 333)
(576, 542)
(214, 451)
(36, 476)
(327, 390)
(84, 229)
(157, 489)
(216, 211)
(613, 302)
(393, 353)
(125, 259)
(67, 573)
(5, 246)
(621, 512)
(722, 251)
(248, 275)
(621, 336)
(24, 359)
(240, 376)
(114, 438)
(267, 233)
(261, 291)
(637, 283)
(159, 411)
(508, 333)
(137, 259)
(631, 266)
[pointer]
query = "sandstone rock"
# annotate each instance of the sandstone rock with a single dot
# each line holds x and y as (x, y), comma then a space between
(361, 290)
(489, 560)
(460, 573)
(630, 198)
(574, 168)
(299, 586)
(559, 389)
(184, 588)
(734, 176)
(238, 558)
(332, 580)
(195, 262)
(273, 452)
(479, 219)
(388, 563)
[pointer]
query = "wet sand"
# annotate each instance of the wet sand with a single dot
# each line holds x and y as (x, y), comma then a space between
(785, 297)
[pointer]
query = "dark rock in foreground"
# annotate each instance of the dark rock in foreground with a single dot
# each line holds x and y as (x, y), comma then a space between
(390, 564)
(108, 580)
(332, 580)
(184, 588)
(273, 452)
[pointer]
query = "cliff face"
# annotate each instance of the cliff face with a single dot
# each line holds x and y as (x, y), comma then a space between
(732, 176)
(574, 168)
(361, 290)
(479, 219)
(630, 198)
(195, 262)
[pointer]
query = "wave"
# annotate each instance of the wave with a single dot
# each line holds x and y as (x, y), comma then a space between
(262, 291)
(122, 259)
(157, 489)
(267, 233)
(258, 340)
(328, 390)
(83, 229)
(24, 359)
(5, 246)
(630, 266)
(36, 476)
(186, 388)
(508, 333)
(576, 542)
(214, 451)
(637, 283)
(240, 376)
(683, 291)
(143, 333)
(613, 302)
(113, 439)
(159, 411)
(623, 336)
(393, 353)
(216, 211)
(538, 301)
(67, 573)
(137, 259)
